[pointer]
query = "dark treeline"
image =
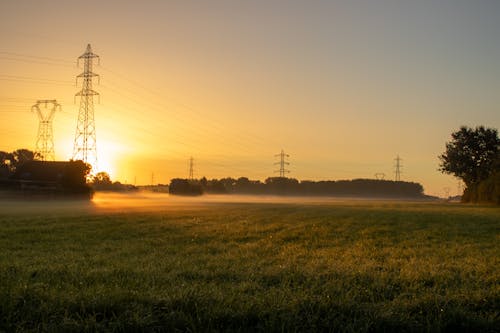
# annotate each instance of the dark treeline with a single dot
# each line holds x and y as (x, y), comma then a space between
(23, 174)
(101, 181)
(291, 186)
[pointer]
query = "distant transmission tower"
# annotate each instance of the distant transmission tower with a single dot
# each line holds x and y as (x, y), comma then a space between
(380, 176)
(84, 147)
(45, 138)
(191, 171)
(397, 168)
(282, 163)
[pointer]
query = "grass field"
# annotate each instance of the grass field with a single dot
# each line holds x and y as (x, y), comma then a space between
(339, 266)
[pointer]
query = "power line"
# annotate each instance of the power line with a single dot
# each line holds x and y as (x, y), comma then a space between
(30, 61)
(33, 58)
(45, 138)
(209, 125)
(85, 137)
(282, 163)
(397, 168)
(28, 78)
(191, 171)
(212, 124)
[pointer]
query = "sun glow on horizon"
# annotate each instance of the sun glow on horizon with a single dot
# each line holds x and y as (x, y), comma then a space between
(341, 98)
(108, 154)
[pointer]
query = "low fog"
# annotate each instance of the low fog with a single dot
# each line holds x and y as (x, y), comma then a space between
(104, 202)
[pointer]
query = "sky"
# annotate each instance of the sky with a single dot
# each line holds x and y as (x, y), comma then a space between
(343, 87)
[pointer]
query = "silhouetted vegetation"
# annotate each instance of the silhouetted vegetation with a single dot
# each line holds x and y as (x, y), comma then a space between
(23, 174)
(473, 155)
(291, 186)
(184, 187)
(49, 179)
(74, 177)
(487, 190)
(9, 162)
(101, 181)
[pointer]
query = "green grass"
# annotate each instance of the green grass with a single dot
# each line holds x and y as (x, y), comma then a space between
(253, 267)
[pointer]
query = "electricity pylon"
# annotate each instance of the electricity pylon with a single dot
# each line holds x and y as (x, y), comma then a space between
(397, 168)
(191, 171)
(45, 138)
(85, 144)
(282, 163)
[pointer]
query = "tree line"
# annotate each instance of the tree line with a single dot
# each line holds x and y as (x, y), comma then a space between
(291, 186)
(23, 172)
(472, 155)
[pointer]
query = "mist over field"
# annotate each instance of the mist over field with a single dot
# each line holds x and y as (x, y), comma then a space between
(143, 201)
(151, 262)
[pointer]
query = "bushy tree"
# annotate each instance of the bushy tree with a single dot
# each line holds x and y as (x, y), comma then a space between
(101, 179)
(21, 156)
(184, 187)
(472, 155)
(5, 164)
(75, 175)
(9, 162)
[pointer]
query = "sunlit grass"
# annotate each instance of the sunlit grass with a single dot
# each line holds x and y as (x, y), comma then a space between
(269, 267)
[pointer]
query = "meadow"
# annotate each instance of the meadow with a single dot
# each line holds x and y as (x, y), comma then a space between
(279, 266)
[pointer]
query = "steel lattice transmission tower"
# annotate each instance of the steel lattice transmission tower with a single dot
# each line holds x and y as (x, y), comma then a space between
(282, 163)
(84, 147)
(191, 168)
(45, 138)
(397, 168)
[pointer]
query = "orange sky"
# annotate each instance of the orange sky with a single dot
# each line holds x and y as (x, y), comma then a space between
(342, 86)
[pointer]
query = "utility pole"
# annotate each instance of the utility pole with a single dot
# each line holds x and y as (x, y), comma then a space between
(282, 163)
(84, 147)
(45, 138)
(397, 168)
(191, 171)
(152, 178)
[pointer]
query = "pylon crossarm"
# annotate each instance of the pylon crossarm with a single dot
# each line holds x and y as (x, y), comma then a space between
(87, 92)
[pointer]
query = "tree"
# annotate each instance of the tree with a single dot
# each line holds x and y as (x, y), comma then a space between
(75, 175)
(472, 155)
(5, 157)
(5, 164)
(102, 179)
(21, 156)
(184, 187)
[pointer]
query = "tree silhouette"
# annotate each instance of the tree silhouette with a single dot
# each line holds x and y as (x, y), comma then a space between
(101, 179)
(75, 175)
(472, 155)
(21, 156)
(5, 164)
